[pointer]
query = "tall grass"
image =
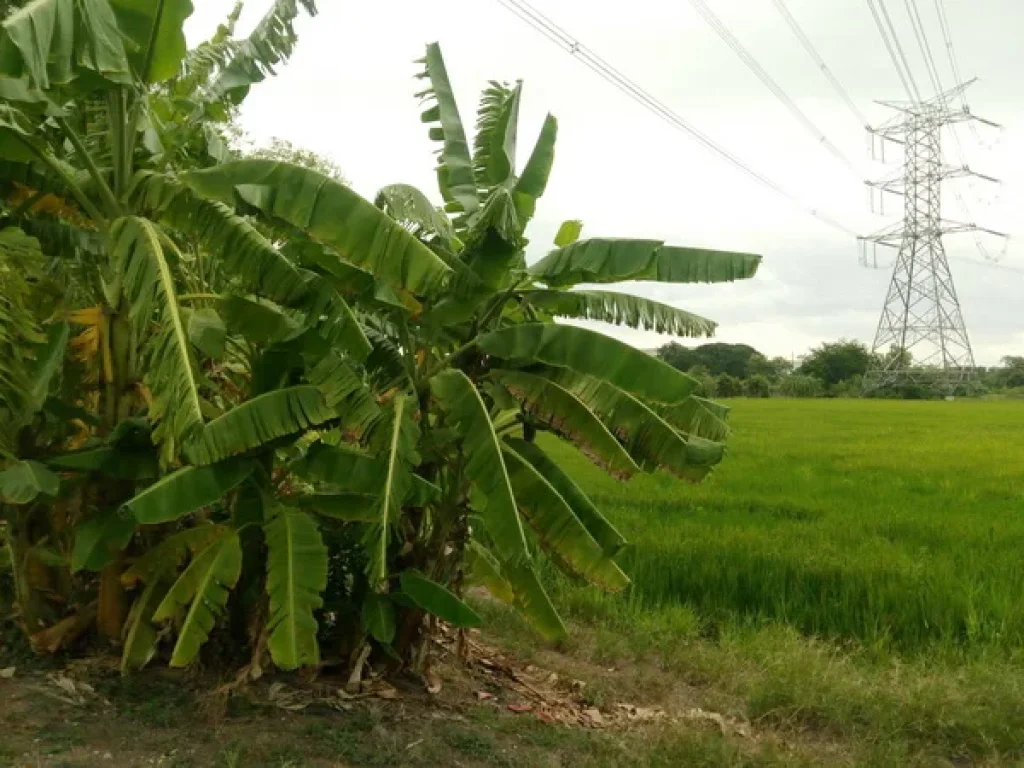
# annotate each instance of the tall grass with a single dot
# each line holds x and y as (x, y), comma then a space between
(899, 525)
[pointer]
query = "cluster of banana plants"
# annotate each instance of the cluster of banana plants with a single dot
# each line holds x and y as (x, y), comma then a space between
(230, 386)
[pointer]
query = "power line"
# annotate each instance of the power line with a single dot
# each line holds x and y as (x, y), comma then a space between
(556, 34)
(922, 43)
(762, 74)
(895, 49)
(825, 69)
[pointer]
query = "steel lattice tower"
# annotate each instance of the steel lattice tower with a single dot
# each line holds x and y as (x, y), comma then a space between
(921, 334)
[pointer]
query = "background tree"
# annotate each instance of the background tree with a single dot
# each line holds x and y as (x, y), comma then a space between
(838, 361)
(738, 360)
(800, 385)
(728, 386)
(758, 385)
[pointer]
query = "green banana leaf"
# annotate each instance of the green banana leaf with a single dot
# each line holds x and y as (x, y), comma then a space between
(698, 416)
(137, 253)
(185, 491)
(23, 481)
(296, 578)
(378, 616)
(331, 213)
(398, 459)
(531, 185)
(485, 465)
(259, 421)
(533, 602)
(270, 44)
(611, 260)
(494, 148)
(591, 353)
(348, 507)
(560, 532)
(622, 309)
(650, 440)
(562, 412)
(99, 538)
(605, 534)
(142, 636)
(155, 29)
(437, 600)
(203, 588)
(162, 560)
(483, 569)
(455, 165)
(55, 41)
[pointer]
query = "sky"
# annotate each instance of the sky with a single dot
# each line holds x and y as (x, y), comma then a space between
(347, 93)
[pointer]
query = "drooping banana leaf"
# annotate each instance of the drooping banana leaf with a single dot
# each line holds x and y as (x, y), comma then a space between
(591, 353)
(185, 491)
(610, 260)
(378, 616)
(560, 532)
(250, 257)
(23, 481)
(698, 416)
(99, 538)
(141, 636)
(399, 458)
(269, 44)
(155, 30)
(357, 473)
(532, 600)
(258, 321)
(296, 577)
(137, 253)
(604, 533)
(455, 165)
(437, 599)
(203, 588)
(347, 392)
(622, 309)
(258, 421)
(331, 213)
(483, 569)
(650, 440)
(54, 41)
(351, 507)
(48, 360)
(164, 559)
(111, 461)
(406, 204)
(485, 465)
(560, 410)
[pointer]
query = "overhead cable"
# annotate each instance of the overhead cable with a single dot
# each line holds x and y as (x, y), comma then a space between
(556, 34)
(825, 69)
(754, 66)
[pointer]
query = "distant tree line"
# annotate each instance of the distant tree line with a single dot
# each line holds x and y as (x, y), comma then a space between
(833, 369)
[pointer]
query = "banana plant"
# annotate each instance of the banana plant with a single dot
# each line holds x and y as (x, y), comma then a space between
(211, 361)
(436, 460)
(156, 341)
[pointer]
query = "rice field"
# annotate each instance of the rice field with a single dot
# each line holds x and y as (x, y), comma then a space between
(896, 525)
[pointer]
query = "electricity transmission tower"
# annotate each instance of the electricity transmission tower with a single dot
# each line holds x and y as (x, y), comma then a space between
(921, 334)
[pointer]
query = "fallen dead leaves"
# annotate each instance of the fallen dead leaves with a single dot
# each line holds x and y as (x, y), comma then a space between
(531, 691)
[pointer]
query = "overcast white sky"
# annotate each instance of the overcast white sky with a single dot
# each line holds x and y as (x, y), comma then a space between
(348, 94)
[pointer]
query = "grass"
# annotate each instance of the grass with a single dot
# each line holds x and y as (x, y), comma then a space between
(895, 524)
(852, 571)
